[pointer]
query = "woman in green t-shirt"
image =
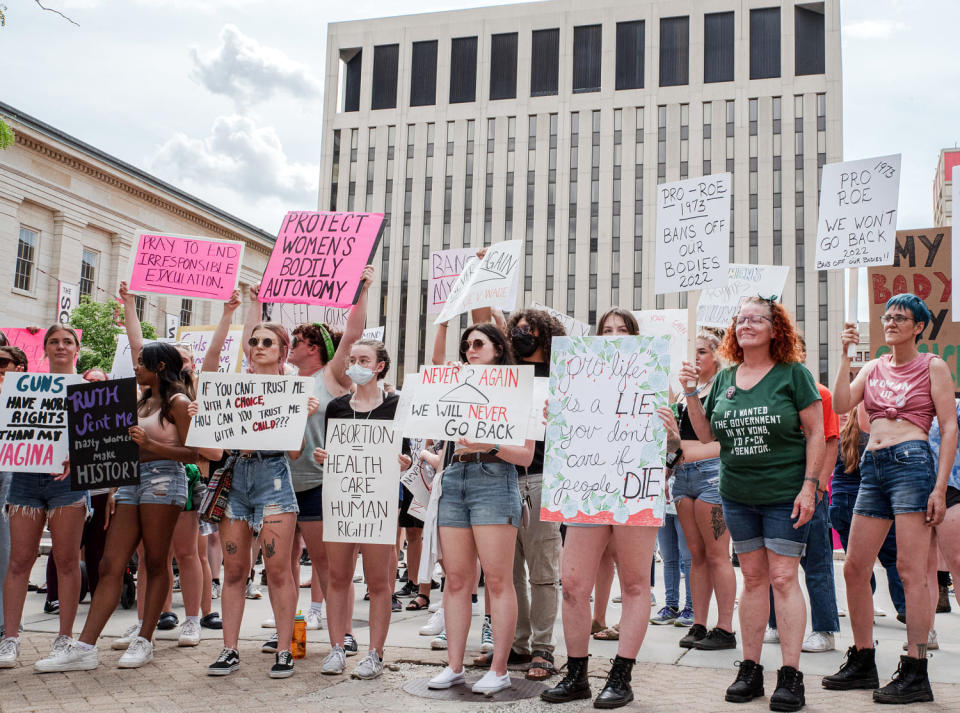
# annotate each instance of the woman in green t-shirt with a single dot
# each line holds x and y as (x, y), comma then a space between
(759, 410)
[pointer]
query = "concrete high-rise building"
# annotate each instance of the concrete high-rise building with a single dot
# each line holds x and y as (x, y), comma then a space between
(943, 187)
(553, 123)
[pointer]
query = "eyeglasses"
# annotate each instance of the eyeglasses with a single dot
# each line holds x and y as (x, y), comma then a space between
(897, 319)
(296, 341)
(267, 342)
(476, 344)
(754, 319)
(517, 331)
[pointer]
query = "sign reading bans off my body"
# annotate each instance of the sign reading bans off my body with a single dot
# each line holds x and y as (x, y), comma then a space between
(319, 258)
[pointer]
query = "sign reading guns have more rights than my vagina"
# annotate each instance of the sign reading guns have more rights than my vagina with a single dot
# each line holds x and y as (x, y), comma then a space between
(318, 258)
(33, 421)
(189, 266)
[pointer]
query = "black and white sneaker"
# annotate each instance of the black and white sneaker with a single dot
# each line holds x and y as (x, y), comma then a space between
(283, 668)
(350, 647)
(271, 645)
(226, 663)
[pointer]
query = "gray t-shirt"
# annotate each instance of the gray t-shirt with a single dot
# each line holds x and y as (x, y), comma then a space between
(306, 472)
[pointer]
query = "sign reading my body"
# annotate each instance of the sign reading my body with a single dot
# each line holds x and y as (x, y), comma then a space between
(694, 269)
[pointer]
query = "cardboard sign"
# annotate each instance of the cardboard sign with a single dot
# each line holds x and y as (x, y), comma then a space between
(693, 238)
(573, 327)
(374, 333)
(604, 460)
(922, 260)
(418, 480)
(185, 265)
(33, 421)
(250, 412)
(858, 212)
(717, 306)
(32, 345)
(292, 316)
(231, 354)
(445, 268)
(361, 481)
(318, 258)
(99, 415)
(172, 324)
(122, 359)
(68, 297)
(491, 282)
(667, 323)
(489, 404)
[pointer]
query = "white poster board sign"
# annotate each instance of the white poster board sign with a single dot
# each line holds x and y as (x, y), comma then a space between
(955, 197)
(67, 298)
(374, 333)
(292, 316)
(419, 481)
(361, 476)
(858, 213)
(491, 282)
(573, 327)
(445, 268)
(122, 359)
(250, 412)
(718, 305)
(537, 427)
(667, 323)
(231, 354)
(172, 323)
(33, 421)
(693, 234)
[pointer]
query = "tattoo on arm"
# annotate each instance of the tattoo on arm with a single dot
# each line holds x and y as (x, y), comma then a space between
(270, 548)
(231, 548)
(717, 522)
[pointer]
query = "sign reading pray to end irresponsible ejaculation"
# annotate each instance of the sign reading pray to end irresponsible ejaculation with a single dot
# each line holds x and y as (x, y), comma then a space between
(185, 265)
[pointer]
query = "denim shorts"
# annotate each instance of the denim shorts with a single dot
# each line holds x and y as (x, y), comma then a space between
(753, 527)
(896, 480)
(262, 486)
(42, 491)
(476, 493)
(162, 482)
(699, 479)
(310, 502)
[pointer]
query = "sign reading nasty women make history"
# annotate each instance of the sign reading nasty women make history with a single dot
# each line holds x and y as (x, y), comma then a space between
(604, 459)
(693, 234)
(718, 305)
(858, 212)
(33, 421)
(185, 265)
(445, 268)
(319, 258)
(490, 282)
(487, 404)
(250, 412)
(99, 416)
(361, 479)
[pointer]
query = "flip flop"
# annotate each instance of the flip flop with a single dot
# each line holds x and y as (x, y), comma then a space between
(419, 602)
(611, 633)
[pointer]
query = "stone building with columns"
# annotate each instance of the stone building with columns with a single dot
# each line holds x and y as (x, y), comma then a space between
(70, 212)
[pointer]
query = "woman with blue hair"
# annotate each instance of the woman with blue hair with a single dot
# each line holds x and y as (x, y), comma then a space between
(900, 483)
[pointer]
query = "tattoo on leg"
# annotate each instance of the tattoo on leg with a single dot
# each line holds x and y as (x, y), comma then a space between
(717, 522)
(922, 651)
(231, 548)
(270, 548)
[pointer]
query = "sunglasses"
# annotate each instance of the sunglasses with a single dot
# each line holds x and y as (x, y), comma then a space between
(5, 362)
(267, 342)
(517, 331)
(296, 341)
(477, 344)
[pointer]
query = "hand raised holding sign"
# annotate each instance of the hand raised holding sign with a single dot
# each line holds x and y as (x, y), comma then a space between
(849, 337)
(313, 403)
(320, 456)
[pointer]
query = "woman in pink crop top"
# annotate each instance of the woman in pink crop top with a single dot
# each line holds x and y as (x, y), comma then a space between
(902, 392)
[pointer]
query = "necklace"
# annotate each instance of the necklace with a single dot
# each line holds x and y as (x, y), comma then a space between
(354, 409)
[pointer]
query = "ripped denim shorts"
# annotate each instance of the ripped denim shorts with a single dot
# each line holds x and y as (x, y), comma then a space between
(262, 486)
(162, 482)
(42, 492)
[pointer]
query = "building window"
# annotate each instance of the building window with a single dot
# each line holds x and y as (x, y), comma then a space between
(551, 207)
(572, 213)
(661, 144)
(335, 170)
(800, 262)
(718, 46)
(488, 183)
(352, 183)
(629, 69)
(186, 312)
(638, 213)
(731, 117)
(352, 63)
(448, 186)
(371, 165)
(463, 70)
(777, 182)
(140, 305)
(404, 291)
(684, 141)
(545, 63)
(674, 51)
(765, 43)
(423, 73)
(531, 196)
(503, 66)
(587, 46)
(468, 185)
(615, 212)
(387, 227)
(26, 256)
(386, 60)
(808, 41)
(707, 138)
(594, 212)
(88, 273)
(753, 179)
(508, 194)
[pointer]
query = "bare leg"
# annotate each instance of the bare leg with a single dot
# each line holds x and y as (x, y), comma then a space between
(460, 565)
(379, 569)
(604, 583)
(579, 574)
(157, 523)
(866, 537)
(26, 528)
(495, 546)
(191, 570)
(723, 580)
(634, 546)
(66, 531)
(276, 539)
(754, 601)
(792, 609)
(235, 539)
(913, 550)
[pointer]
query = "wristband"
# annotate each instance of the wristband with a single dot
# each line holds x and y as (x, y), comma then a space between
(691, 393)
(812, 480)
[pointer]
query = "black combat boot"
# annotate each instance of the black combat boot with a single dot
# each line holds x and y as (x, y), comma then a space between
(749, 683)
(574, 686)
(616, 691)
(909, 685)
(858, 671)
(789, 693)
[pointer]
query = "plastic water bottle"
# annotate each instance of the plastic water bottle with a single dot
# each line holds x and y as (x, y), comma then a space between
(298, 646)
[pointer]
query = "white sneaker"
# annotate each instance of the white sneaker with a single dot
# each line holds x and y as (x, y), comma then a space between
(818, 641)
(335, 662)
(139, 653)
(253, 591)
(268, 623)
(370, 666)
(439, 642)
(70, 658)
(617, 599)
(877, 611)
(314, 619)
(214, 590)
(434, 624)
(436, 604)
(447, 679)
(189, 633)
(932, 644)
(843, 612)
(491, 683)
(9, 652)
(477, 608)
(771, 636)
(60, 644)
(126, 638)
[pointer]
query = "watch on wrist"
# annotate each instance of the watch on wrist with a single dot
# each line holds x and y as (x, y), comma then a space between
(674, 457)
(493, 451)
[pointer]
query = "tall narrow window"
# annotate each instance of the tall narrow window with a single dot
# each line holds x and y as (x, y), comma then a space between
(488, 187)
(88, 273)
(468, 185)
(674, 51)
(386, 60)
(544, 63)
(186, 312)
(463, 70)
(754, 181)
(387, 222)
(615, 212)
(661, 144)
(707, 138)
(594, 212)
(587, 46)
(777, 182)
(335, 170)
(511, 163)
(718, 46)
(140, 305)
(26, 255)
(684, 141)
(731, 115)
(503, 66)
(629, 68)
(765, 43)
(808, 41)
(572, 213)
(423, 73)
(353, 61)
(798, 181)
(638, 213)
(551, 207)
(531, 195)
(448, 186)
(371, 164)
(352, 182)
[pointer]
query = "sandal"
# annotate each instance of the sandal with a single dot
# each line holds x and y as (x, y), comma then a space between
(596, 626)
(545, 666)
(611, 633)
(421, 601)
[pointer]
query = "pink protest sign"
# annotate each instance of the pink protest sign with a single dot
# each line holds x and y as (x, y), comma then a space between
(32, 345)
(187, 266)
(319, 258)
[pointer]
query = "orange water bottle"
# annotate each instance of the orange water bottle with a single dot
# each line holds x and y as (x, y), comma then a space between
(298, 646)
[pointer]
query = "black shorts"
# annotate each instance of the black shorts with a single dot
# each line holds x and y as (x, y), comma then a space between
(953, 496)
(310, 503)
(405, 519)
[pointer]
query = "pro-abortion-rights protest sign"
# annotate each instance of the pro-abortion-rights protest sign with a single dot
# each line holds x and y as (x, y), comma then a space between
(693, 234)
(33, 421)
(718, 305)
(122, 359)
(361, 479)
(573, 327)
(31, 342)
(489, 404)
(250, 412)
(667, 323)
(604, 460)
(490, 282)
(858, 212)
(185, 265)
(319, 258)
(231, 354)
(68, 297)
(102, 453)
(445, 268)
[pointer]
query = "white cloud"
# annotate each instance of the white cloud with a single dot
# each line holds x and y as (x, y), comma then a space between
(874, 29)
(248, 72)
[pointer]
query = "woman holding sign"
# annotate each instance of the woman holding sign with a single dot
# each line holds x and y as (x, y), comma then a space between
(35, 499)
(759, 410)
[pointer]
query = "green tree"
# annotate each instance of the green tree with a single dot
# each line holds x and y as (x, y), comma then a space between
(101, 323)
(7, 137)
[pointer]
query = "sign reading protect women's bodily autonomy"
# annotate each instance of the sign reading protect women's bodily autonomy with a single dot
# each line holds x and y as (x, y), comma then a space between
(102, 453)
(604, 460)
(250, 412)
(486, 404)
(490, 282)
(318, 258)
(693, 234)
(184, 265)
(858, 213)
